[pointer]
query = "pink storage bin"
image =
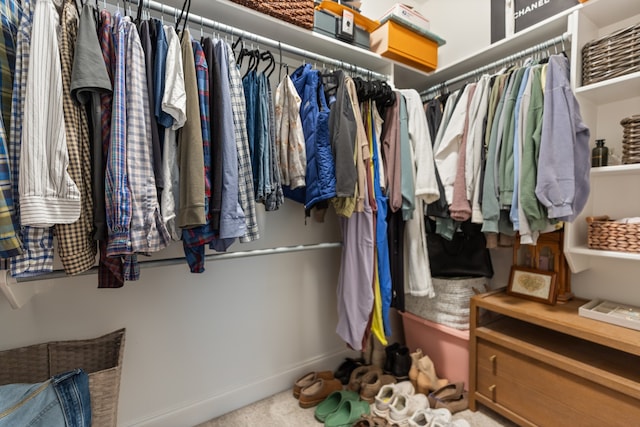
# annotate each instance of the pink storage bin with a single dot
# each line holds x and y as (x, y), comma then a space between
(447, 347)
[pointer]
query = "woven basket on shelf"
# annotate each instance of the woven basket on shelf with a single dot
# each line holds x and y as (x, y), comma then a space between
(450, 306)
(297, 12)
(611, 56)
(631, 139)
(606, 234)
(100, 358)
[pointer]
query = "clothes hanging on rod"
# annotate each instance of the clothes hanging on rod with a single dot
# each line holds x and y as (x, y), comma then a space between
(505, 159)
(264, 41)
(508, 60)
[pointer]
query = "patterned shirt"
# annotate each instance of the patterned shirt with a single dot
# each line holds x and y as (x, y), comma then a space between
(195, 239)
(110, 269)
(147, 230)
(48, 195)
(10, 244)
(76, 247)
(37, 257)
(245, 174)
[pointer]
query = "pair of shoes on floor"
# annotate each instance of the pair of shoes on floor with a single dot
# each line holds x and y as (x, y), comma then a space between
(341, 409)
(373, 421)
(367, 381)
(314, 387)
(397, 361)
(430, 417)
(404, 406)
(343, 373)
(422, 373)
(451, 396)
(387, 394)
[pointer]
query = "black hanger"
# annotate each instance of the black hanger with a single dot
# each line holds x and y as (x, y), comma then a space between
(187, 4)
(138, 14)
(271, 66)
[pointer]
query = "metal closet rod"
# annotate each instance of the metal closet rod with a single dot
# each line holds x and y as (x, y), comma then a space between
(506, 60)
(275, 44)
(56, 274)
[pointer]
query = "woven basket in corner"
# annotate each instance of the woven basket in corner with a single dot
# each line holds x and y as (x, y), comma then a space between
(296, 12)
(100, 358)
(608, 235)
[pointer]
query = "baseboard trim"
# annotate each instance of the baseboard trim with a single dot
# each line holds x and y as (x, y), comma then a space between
(195, 413)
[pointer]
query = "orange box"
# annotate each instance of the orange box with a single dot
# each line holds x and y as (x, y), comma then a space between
(448, 348)
(396, 42)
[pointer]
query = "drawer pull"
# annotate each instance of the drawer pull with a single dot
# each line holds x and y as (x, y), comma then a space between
(492, 390)
(493, 359)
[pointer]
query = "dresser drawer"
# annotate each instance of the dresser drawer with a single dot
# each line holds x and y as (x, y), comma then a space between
(544, 394)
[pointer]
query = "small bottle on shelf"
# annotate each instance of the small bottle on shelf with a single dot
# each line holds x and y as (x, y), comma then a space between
(600, 154)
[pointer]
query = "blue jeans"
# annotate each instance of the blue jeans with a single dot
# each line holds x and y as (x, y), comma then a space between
(62, 401)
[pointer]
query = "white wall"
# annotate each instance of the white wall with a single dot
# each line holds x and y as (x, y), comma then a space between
(198, 346)
(464, 24)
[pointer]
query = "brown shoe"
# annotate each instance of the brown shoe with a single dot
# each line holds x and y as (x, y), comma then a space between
(356, 376)
(308, 379)
(317, 391)
(371, 384)
(452, 397)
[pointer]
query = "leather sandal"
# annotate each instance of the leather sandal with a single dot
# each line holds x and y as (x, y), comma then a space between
(372, 421)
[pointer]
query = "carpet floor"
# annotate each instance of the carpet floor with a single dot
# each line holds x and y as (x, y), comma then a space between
(282, 410)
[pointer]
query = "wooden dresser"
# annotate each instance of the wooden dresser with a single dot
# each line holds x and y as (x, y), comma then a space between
(545, 365)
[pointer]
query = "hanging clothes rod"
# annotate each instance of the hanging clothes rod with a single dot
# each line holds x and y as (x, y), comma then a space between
(275, 44)
(56, 274)
(506, 60)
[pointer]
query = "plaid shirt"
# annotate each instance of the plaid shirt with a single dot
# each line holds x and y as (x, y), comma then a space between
(117, 193)
(195, 239)
(148, 232)
(245, 174)
(10, 244)
(38, 242)
(76, 247)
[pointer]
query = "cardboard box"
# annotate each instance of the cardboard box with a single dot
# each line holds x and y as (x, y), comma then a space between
(448, 348)
(396, 42)
(405, 14)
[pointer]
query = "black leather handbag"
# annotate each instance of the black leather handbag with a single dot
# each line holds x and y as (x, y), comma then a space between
(465, 255)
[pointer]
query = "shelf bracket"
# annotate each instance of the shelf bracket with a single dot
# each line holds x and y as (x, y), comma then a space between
(18, 294)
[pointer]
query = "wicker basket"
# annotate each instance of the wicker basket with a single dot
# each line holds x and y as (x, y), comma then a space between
(611, 56)
(297, 12)
(450, 306)
(100, 357)
(606, 234)
(631, 139)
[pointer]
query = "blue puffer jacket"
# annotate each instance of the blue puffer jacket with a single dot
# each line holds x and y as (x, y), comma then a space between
(314, 112)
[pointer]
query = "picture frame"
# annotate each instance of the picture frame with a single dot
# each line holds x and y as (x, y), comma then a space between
(533, 284)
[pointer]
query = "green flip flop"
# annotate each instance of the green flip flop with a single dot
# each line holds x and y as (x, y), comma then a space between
(348, 413)
(333, 402)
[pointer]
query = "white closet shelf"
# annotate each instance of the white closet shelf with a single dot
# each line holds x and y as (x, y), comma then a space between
(606, 12)
(617, 170)
(616, 89)
(538, 33)
(235, 15)
(596, 253)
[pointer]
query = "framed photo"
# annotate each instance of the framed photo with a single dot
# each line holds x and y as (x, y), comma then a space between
(533, 284)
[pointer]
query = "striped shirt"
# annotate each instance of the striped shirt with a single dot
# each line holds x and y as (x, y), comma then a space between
(37, 257)
(245, 174)
(48, 195)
